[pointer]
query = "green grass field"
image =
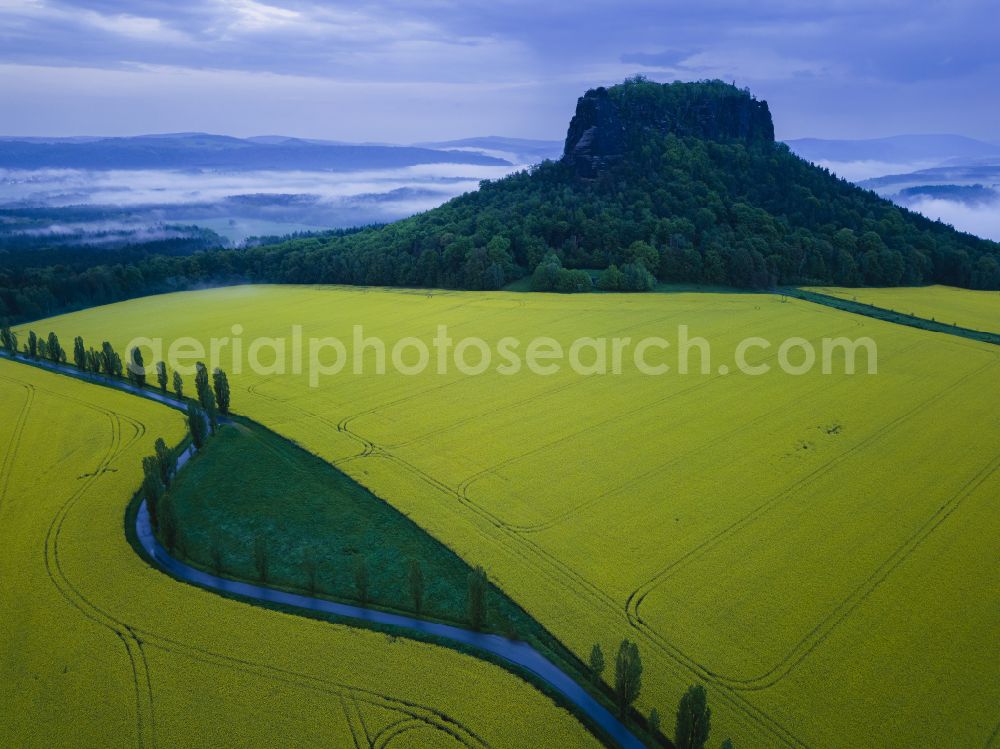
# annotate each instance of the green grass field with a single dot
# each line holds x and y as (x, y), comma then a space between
(303, 508)
(817, 549)
(101, 650)
(976, 310)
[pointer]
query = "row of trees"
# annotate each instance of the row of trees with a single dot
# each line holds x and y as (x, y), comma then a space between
(213, 393)
(158, 469)
(157, 472)
(477, 603)
(693, 713)
(47, 348)
(213, 398)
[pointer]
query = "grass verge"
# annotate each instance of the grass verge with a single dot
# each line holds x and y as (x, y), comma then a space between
(880, 313)
(249, 486)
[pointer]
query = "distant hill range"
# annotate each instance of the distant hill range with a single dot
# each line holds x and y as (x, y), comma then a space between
(205, 151)
(517, 150)
(898, 149)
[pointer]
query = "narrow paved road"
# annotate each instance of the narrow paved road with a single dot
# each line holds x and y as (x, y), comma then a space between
(517, 653)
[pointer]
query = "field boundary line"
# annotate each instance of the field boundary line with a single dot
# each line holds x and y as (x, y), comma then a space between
(887, 315)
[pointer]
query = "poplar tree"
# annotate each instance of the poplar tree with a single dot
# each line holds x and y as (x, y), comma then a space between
(161, 375)
(416, 578)
(54, 349)
(110, 364)
(628, 675)
(8, 339)
(201, 385)
(152, 488)
(196, 423)
(694, 719)
(220, 384)
(137, 368)
(169, 530)
(79, 354)
(166, 460)
(597, 662)
(477, 598)
(211, 411)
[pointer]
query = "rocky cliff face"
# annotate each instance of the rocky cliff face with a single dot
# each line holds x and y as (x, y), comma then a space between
(610, 121)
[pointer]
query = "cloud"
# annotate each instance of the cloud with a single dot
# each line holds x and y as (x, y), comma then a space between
(135, 27)
(665, 59)
(845, 65)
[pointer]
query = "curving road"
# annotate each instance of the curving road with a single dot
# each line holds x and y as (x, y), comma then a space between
(517, 653)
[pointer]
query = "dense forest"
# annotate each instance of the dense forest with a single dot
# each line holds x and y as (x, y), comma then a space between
(679, 182)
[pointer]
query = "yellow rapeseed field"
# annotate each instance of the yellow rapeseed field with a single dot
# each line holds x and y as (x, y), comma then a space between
(819, 549)
(977, 310)
(101, 650)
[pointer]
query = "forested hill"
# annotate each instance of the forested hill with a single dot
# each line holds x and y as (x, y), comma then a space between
(682, 182)
(679, 182)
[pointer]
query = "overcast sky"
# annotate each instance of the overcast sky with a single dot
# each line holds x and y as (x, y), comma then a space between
(435, 69)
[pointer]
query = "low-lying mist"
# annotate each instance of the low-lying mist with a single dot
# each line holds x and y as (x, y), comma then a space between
(981, 219)
(236, 205)
(954, 194)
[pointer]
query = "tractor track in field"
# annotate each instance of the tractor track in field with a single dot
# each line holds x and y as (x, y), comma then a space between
(15, 438)
(538, 558)
(137, 639)
(633, 604)
(583, 585)
(803, 648)
(346, 694)
(145, 719)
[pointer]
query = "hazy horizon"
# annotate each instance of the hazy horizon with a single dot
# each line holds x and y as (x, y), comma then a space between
(419, 143)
